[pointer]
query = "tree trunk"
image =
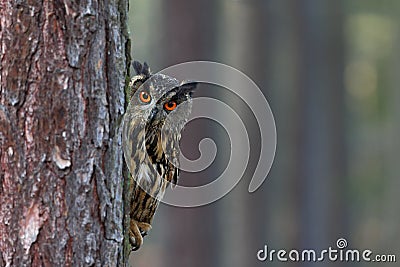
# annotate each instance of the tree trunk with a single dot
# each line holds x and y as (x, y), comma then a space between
(189, 36)
(62, 76)
(322, 149)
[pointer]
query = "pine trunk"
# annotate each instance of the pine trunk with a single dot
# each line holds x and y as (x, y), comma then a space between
(63, 66)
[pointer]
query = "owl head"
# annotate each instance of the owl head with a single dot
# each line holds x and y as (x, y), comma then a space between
(160, 106)
(155, 97)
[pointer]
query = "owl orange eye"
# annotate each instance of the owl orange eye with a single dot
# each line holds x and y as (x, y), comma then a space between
(144, 97)
(170, 106)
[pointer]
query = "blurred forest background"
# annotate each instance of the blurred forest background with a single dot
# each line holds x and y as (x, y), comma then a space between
(331, 73)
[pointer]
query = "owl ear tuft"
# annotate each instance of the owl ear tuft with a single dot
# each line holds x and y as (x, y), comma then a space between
(141, 69)
(142, 74)
(187, 87)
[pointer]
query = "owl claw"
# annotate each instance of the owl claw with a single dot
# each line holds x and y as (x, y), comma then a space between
(134, 247)
(136, 233)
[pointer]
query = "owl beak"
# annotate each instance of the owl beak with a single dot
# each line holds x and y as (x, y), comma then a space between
(153, 113)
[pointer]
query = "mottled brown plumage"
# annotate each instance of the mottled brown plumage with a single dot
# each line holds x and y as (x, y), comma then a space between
(152, 145)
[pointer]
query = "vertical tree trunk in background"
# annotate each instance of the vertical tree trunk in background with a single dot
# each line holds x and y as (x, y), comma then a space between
(278, 78)
(239, 212)
(189, 34)
(62, 77)
(321, 124)
(391, 227)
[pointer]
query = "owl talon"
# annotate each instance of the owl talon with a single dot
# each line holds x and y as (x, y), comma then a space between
(134, 247)
(136, 241)
(136, 233)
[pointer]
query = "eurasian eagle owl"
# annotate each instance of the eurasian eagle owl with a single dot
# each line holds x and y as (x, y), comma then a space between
(152, 145)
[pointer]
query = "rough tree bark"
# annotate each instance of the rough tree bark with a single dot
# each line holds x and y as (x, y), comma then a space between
(62, 76)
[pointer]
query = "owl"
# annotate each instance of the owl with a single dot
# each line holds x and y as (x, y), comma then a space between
(158, 110)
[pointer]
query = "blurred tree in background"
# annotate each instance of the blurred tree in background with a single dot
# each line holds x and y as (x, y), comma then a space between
(329, 70)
